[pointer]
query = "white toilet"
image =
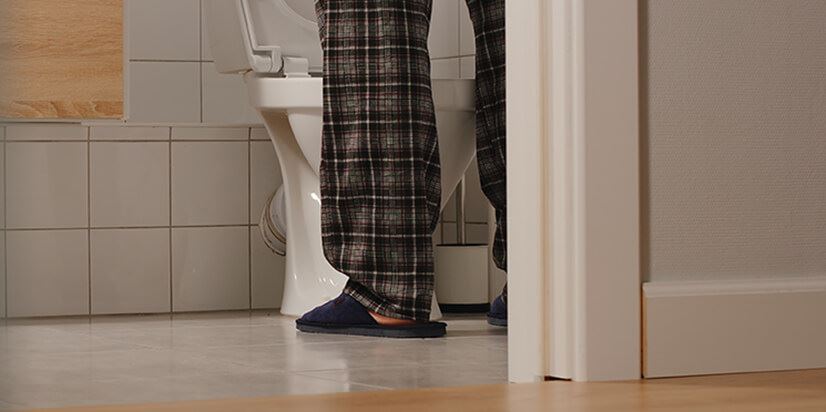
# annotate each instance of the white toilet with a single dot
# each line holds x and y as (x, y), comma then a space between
(274, 44)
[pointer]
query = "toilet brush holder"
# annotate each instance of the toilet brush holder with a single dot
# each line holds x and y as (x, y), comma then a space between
(461, 270)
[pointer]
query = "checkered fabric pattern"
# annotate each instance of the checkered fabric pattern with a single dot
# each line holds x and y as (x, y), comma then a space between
(380, 174)
(488, 18)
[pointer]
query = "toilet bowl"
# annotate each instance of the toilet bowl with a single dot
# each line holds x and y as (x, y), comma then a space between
(274, 45)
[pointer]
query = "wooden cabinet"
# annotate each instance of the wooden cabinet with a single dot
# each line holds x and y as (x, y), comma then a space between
(61, 59)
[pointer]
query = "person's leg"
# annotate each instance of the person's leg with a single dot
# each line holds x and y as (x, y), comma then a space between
(488, 18)
(380, 176)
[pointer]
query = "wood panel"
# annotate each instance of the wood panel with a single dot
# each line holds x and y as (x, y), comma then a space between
(780, 391)
(61, 59)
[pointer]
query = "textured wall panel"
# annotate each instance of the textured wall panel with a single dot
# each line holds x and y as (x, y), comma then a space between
(736, 142)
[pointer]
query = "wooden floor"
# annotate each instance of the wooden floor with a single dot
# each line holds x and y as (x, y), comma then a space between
(778, 391)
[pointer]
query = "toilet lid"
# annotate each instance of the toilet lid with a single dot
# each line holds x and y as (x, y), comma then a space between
(289, 25)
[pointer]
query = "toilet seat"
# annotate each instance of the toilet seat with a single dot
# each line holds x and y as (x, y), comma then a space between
(268, 37)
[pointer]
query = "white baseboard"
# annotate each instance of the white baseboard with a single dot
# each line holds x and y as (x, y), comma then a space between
(708, 327)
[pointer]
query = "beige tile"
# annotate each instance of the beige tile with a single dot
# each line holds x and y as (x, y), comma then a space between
(210, 133)
(267, 274)
(444, 68)
(225, 98)
(265, 176)
(210, 268)
(477, 233)
(444, 35)
(476, 204)
(449, 233)
(259, 133)
(418, 376)
(2, 274)
(45, 132)
(467, 67)
(31, 341)
(210, 183)
(449, 211)
(206, 52)
(171, 389)
(163, 30)
(437, 234)
(467, 40)
(129, 184)
(2, 183)
(370, 353)
(130, 271)
(48, 272)
(48, 181)
(164, 92)
(122, 132)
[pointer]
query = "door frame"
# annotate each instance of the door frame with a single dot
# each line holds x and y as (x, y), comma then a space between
(573, 154)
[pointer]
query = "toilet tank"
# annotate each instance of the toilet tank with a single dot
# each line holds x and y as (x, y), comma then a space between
(257, 35)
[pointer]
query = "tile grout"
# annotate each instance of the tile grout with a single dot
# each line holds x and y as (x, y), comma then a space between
(89, 214)
(169, 211)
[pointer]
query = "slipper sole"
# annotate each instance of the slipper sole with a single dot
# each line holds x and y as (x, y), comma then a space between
(497, 321)
(424, 330)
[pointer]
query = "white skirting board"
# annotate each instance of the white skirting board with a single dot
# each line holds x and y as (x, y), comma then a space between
(708, 327)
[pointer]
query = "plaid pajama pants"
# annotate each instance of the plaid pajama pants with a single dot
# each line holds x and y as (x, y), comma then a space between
(380, 174)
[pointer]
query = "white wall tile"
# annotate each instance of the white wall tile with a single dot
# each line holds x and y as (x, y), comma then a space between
(163, 29)
(48, 183)
(48, 273)
(476, 204)
(123, 132)
(444, 35)
(2, 223)
(467, 40)
(474, 233)
(225, 98)
(129, 184)
(449, 211)
(467, 67)
(164, 92)
(210, 183)
(206, 52)
(2, 274)
(448, 233)
(210, 268)
(45, 132)
(2, 185)
(444, 68)
(477, 233)
(265, 176)
(130, 270)
(210, 133)
(267, 274)
(259, 133)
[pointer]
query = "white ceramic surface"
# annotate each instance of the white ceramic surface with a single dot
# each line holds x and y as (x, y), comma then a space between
(210, 183)
(130, 270)
(247, 36)
(310, 279)
(129, 184)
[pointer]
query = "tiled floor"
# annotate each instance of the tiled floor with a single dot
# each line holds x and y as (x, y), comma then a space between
(135, 359)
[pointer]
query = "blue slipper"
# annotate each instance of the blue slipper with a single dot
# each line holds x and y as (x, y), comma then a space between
(346, 316)
(498, 314)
